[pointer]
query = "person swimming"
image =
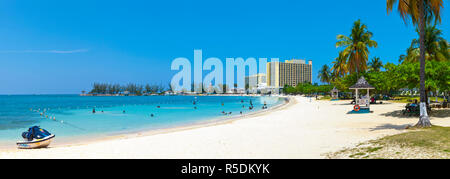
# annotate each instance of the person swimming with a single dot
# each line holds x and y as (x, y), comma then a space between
(93, 110)
(158, 106)
(151, 115)
(123, 111)
(241, 112)
(195, 107)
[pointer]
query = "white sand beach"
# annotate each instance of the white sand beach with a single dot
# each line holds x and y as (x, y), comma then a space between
(300, 129)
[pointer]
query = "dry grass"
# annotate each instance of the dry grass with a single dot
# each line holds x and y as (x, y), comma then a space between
(426, 143)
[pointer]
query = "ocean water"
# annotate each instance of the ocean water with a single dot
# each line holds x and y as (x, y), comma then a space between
(74, 117)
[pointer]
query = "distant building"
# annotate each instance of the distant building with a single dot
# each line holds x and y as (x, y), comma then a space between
(260, 79)
(290, 72)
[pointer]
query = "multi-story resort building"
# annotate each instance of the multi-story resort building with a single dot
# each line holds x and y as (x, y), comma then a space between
(290, 72)
(260, 79)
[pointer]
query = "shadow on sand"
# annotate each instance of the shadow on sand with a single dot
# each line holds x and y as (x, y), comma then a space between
(389, 126)
(438, 113)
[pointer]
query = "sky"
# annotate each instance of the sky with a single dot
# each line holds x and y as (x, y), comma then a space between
(63, 47)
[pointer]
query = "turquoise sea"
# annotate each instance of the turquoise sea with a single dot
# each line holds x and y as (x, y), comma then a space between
(74, 117)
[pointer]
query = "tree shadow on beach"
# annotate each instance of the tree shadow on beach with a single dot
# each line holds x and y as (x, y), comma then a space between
(389, 126)
(438, 113)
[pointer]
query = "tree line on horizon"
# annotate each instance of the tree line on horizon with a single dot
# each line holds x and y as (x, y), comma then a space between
(130, 88)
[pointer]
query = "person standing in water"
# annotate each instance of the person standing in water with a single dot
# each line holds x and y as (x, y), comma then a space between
(93, 110)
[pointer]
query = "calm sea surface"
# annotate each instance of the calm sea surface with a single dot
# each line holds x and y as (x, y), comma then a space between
(114, 115)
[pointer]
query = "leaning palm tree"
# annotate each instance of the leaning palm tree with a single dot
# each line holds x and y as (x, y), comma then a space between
(375, 64)
(419, 11)
(356, 47)
(325, 74)
(340, 65)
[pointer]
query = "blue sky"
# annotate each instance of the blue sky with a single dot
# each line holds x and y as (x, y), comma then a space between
(64, 46)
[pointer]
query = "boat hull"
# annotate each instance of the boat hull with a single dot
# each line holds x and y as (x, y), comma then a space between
(37, 143)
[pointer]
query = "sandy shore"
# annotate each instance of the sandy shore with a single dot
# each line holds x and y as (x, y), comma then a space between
(301, 129)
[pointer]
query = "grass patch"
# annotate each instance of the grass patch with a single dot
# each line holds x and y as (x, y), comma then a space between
(374, 149)
(357, 154)
(435, 138)
(411, 99)
(433, 142)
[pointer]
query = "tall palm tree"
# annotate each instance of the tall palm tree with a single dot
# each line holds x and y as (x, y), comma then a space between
(356, 47)
(325, 74)
(419, 11)
(375, 64)
(340, 65)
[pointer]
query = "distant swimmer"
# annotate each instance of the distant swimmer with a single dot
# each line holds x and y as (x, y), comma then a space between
(229, 113)
(123, 111)
(241, 112)
(222, 103)
(151, 115)
(158, 106)
(93, 110)
(193, 103)
(54, 118)
(195, 107)
(242, 101)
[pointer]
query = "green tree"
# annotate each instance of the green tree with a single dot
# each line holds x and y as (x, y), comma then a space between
(419, 11)
(375, 64)
(325, 74)
(340, 66)
(356, 47)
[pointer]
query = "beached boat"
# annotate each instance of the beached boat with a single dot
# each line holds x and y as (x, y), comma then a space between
(35, 138)
(36, 143)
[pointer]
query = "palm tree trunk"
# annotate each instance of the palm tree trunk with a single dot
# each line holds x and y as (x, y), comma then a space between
(424, 120)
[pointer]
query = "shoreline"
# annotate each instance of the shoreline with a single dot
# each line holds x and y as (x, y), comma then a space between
(304, 128)
(84, 140)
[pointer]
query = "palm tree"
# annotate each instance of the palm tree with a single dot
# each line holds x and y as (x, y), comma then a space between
(356, 47)
(340, 65)
(375, 64)
(419, 11)
(325, 74)
(436, 47)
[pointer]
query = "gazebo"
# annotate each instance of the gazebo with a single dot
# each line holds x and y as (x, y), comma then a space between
(334, 94)
(362, 105)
